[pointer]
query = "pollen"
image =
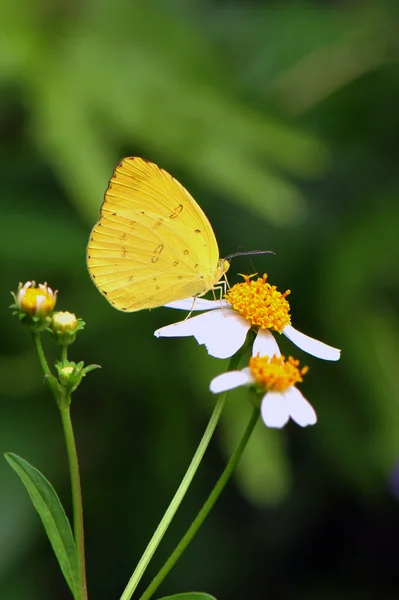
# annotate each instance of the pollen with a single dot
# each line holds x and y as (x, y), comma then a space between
(260, 303)
(276, 374)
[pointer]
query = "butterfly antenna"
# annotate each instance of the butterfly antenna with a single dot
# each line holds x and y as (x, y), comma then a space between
(248, 253)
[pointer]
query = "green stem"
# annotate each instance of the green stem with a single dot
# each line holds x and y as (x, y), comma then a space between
(64, 354)
(206, 508)
(49, 377)
(76, 497)
(43, 362)
(64, 406)
(180, 493)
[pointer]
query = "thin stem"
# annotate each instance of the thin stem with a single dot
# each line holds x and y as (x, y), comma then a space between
(203, 513)
(64, 406)
(76, 497)
(43, 362)
(49, 377)
(180, 493)
(64, 354)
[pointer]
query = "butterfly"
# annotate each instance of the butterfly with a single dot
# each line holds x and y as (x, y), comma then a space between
(153, 243)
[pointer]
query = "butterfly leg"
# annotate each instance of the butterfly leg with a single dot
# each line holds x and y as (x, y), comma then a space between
(221, 287)
(191, 309)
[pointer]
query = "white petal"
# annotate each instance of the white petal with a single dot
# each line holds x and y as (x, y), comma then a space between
(300, 410)
(247, 371)
(191, 304)
(274, 410)
(229, 381)
(310, 345)
(222, 331)
(265, 344)
(39, 301)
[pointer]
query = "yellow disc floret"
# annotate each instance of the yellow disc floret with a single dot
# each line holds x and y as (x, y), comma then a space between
(35, 301)
(276, 374)
(260, 303)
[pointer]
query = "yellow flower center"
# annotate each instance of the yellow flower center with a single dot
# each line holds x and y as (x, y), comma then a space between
(260, 303)
(37, 301)
(276, 374)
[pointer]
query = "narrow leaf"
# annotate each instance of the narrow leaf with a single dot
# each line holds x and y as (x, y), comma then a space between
(52, 514)
(189, 596)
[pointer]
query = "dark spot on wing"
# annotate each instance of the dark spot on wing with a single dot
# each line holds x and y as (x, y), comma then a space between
(197, 230)
(175, 263)
(185, 252)
(176, 211)
(157, 252)
(158, 223)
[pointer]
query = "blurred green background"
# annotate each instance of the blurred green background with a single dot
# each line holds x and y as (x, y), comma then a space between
(282, 121)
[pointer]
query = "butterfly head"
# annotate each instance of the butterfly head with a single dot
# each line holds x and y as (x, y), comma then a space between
(223, 267)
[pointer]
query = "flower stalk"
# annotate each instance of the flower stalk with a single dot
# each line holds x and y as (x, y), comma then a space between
(63, 400)
(180, 493)
(76, 489)
(205, 510)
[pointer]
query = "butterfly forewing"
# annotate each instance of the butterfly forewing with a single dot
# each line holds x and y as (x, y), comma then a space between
(153, 243)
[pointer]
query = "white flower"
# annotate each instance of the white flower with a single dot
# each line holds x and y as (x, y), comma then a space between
(223, 329)
(276, 376)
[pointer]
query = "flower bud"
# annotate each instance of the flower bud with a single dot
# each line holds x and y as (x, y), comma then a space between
(34, 304)
(64, 326)
(70, 374)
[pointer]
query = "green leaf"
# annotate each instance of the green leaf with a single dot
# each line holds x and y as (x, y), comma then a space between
(189, 596)
(52, 514)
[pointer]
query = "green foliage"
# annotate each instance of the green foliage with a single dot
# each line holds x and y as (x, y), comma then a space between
(282, 122)
(189, 596)
(47, 503)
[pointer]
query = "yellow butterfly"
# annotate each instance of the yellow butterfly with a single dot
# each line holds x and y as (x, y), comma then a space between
(153, 244)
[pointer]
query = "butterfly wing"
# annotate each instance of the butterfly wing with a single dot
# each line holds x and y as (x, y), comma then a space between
(153, 243)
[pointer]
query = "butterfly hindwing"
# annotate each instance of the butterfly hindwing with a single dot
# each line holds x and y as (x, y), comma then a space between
(153, 243)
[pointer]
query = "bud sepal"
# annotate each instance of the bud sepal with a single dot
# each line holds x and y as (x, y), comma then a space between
(70, 374)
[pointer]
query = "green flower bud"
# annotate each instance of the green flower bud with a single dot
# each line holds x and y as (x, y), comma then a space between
(64, 326)
(71, 374)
